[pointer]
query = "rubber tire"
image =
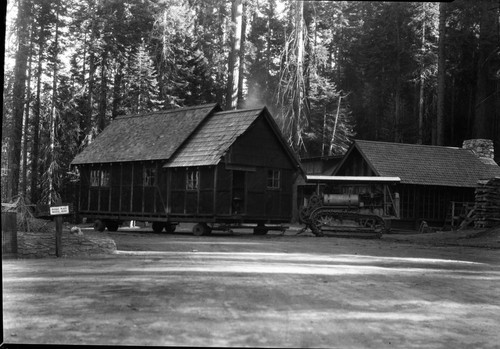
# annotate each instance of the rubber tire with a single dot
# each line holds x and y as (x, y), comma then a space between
(99, 225)
(260, 230)
(112, 225)
(158, 227)
(170, 228)
(200, 229)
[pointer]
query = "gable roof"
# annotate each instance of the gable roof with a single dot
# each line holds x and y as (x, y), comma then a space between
(195, 136)
(151, 136)
(210, 142)
(423, 164)
(213, 139)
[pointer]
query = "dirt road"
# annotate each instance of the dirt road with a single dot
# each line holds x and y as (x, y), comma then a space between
(244, 290)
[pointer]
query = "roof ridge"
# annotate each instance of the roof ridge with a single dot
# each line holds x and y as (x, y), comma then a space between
(410, 144)
(167, 111)
(238, 110)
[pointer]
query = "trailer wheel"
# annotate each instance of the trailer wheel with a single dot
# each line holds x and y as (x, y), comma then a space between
(260, 229)
(112, 225)
(158, 227)
(99, 225)
(201, 229)
(170, 228)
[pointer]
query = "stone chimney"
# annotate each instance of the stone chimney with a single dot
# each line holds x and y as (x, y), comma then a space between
(483, 148)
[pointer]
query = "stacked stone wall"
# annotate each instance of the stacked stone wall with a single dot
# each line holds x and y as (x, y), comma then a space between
(42, 244)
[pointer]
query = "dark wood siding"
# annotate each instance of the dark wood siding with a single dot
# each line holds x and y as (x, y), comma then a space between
(223, 191)
(206, 196)
(84, 188)
(126, 188)
(259, 147)
(430, 203)
(115, 181)
(161, 190)
(355, 165)
(236, 188)
(178, 189)
(256, 197)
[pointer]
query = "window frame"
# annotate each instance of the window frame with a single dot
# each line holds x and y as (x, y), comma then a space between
(273, 181)
(95, 178)
(99, 178)
(105, 178)
(192, 179)
(149, 176)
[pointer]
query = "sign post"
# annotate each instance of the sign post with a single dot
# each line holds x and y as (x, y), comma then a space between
(58, 212)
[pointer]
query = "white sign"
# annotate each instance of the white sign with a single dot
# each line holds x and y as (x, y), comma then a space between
(56, 210)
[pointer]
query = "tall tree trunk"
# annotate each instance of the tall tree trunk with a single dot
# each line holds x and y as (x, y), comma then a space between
(221, 35)
(101, 117)
(241, 76)
(116, 90)
(19, 89)
(397, 97)
(35, 190)
(486, 94)
(24, 180)
(441, 76)
(299, 73)
(52, 197)
(422, 82)
(234, 55)
(270, 16)
(92, 61)
(309, 47)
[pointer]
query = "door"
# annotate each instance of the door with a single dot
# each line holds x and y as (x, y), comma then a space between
(239, 192)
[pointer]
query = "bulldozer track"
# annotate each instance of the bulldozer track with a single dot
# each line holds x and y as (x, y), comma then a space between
(327, 220)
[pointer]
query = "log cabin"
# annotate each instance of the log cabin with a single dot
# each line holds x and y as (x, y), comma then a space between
(199, 164)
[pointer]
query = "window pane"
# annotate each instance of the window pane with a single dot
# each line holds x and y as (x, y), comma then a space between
(94, 178)
(273, 179)
(149, 176)
(192, 179)
(104, 178)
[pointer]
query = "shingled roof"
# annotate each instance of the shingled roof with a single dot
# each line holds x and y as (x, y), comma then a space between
(424, 164)
(210, 142)
(152, 136)
(196, 136)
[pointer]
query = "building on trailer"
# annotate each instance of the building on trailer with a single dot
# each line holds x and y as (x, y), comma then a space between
(200, 164)
(433, 178)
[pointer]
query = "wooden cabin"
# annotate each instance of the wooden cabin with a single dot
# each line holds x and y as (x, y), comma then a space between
(197, 164)
(433, 178)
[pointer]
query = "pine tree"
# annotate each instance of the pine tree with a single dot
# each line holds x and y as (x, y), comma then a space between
(142, 85)
(16, 125)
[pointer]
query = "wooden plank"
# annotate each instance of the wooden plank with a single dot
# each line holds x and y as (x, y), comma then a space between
(143, 199)
(121, 188)
(132, 188)
(215, 190)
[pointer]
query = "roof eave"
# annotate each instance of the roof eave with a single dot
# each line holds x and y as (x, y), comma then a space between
(292, 156)
(353, 146)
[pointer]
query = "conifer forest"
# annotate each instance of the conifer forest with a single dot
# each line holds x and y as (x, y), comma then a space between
(328, 71)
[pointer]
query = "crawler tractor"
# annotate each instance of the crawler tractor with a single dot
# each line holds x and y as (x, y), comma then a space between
(360, 206)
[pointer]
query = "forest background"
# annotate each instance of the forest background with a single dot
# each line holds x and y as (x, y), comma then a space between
(413, 72)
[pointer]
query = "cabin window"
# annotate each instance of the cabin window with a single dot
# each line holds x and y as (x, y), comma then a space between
(273, 179)
(99, 178)
(94, 178)
(192, 180)
(104, 178)
(149, 176)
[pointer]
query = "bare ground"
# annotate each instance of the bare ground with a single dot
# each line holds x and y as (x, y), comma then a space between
(273, 291)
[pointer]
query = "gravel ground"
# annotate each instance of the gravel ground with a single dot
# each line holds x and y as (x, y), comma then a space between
(241, 290)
